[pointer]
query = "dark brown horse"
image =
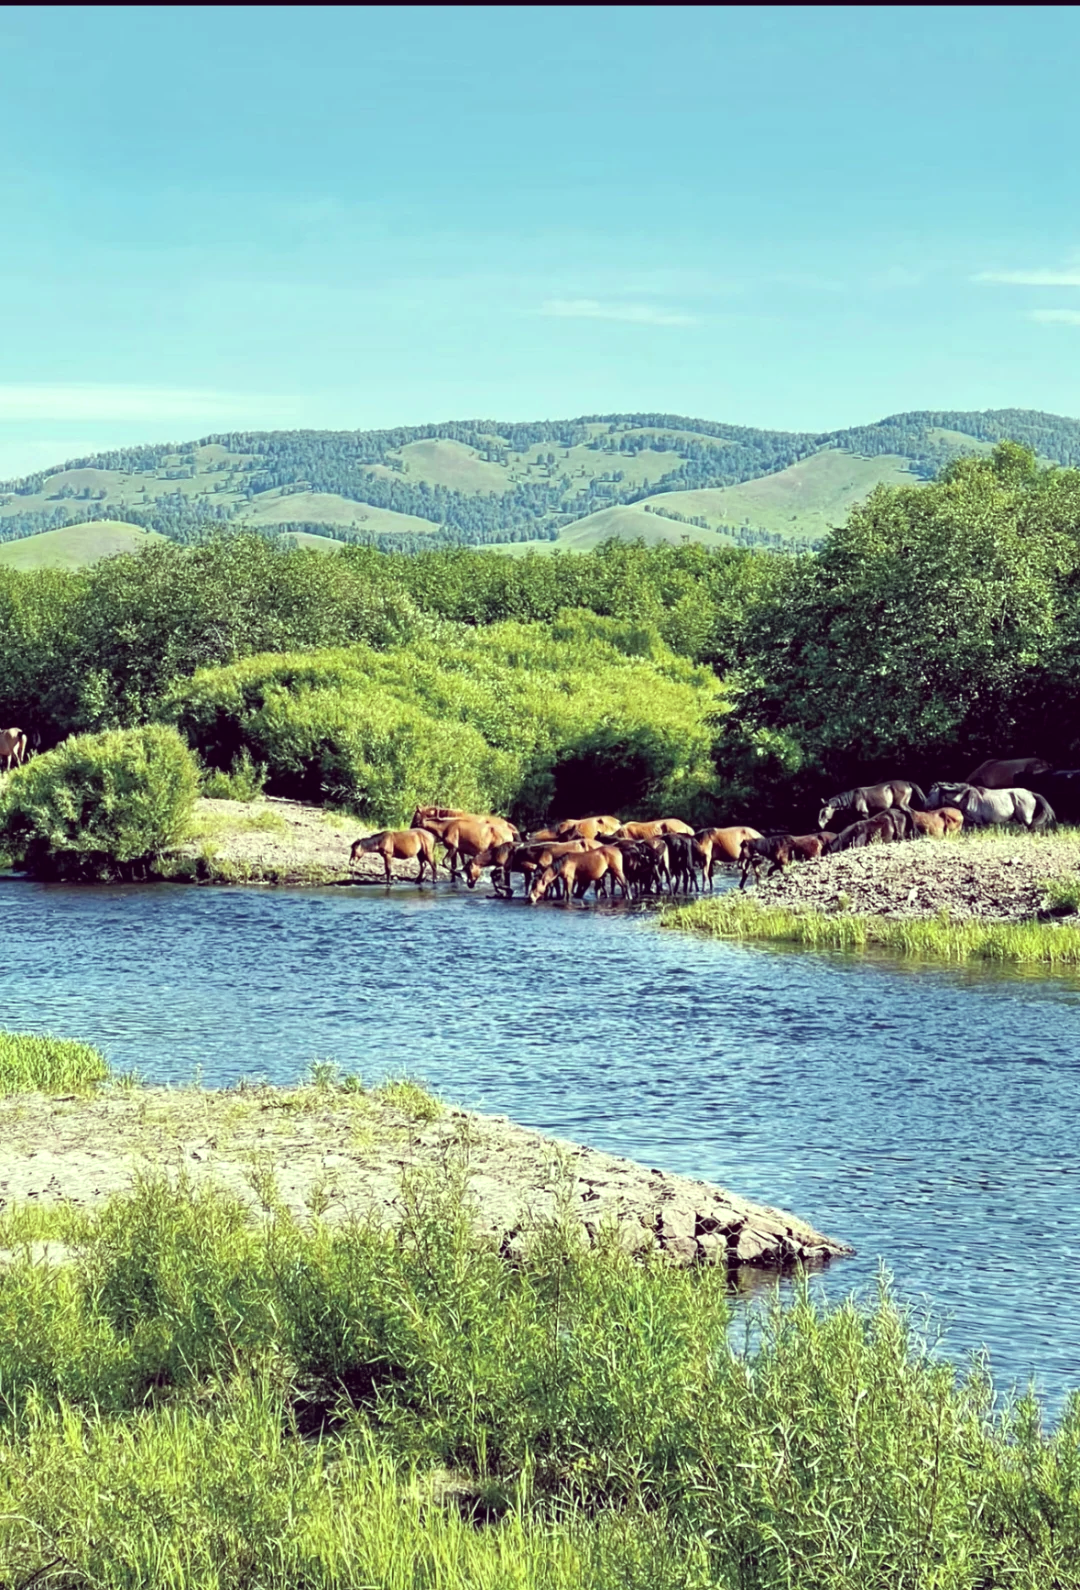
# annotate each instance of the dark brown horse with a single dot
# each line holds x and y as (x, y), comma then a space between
(869, 798)
(1007, 774)
(781, 850)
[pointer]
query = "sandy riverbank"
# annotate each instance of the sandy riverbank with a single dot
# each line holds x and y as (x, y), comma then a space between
(341, 1152)
(275, 841)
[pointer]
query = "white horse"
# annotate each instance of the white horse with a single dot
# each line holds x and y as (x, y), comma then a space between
(981, 806)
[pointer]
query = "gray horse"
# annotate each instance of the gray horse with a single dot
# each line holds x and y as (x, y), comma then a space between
(873, 798)
(982, 806)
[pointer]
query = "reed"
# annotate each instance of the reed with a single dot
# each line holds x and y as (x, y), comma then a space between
(940, 937)
(204, 1399)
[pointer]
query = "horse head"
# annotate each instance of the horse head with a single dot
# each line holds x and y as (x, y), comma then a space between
(825, 815)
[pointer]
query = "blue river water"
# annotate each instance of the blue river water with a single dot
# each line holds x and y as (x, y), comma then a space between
(928, 1116)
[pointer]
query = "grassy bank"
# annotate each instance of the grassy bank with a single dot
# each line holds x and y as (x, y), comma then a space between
(203, 1399)
(207, 1391)
(731, 917)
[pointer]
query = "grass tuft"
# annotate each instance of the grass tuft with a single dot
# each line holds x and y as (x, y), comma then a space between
(38, 1063)
(938, 937)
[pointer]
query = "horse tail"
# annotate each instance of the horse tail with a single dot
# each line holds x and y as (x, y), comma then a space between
(916, 800)
(1043, 814)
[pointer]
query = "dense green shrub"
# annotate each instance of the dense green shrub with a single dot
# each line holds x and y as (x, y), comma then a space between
(529, 717)
(100, 805)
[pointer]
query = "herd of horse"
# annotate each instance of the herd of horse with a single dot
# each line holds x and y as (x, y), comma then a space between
(667, 855)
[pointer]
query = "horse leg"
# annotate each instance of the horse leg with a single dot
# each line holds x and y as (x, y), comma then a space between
(386, 864)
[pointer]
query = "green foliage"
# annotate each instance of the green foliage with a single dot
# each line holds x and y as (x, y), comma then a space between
(34, 1062)
(932, 629)
(939, 624)
(1063, 895)
(593, 1414)
(245, 780)
(97, 648)
(100, 805)
(587, 709)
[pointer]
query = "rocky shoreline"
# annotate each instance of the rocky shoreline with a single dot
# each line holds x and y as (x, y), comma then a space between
(999, 876)
(344, 1152)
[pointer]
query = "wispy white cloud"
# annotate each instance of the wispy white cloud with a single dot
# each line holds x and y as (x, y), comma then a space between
(1060, 317)
(93, 401)
(632, 314)
(1069, 277)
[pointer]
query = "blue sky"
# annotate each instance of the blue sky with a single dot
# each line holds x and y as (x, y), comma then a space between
(800, 218)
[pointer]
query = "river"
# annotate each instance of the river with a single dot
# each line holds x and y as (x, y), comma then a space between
(926, 1115)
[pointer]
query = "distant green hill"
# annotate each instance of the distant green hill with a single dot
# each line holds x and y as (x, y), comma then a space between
(75, 545)
(487, 482)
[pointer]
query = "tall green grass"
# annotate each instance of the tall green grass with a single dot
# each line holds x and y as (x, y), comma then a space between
(31, 1062)
(205, 1399)
(938, 937)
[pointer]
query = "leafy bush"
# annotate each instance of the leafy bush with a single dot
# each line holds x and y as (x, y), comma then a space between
(587, 711)
(100, 805)
(41, 1063)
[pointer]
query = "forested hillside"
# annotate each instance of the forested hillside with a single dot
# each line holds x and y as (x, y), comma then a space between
(487, 482)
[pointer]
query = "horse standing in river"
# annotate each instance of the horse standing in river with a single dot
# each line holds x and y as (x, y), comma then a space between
(981, 807)
(869, 798)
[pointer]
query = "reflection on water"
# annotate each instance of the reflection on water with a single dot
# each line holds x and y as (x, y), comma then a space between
(925, 1115)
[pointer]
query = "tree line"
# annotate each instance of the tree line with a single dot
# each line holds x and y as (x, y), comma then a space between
(939, 624)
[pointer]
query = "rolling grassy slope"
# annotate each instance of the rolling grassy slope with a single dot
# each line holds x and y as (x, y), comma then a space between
(488, 482)
(806, 499)
(320, 507)
(630, 523)
(74, 545)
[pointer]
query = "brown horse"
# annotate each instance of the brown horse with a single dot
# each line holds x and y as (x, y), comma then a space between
(581, 870)
(878, 829)
(1006, 775)
(870, 798)
(12, 747)
(399, 844)
(657, 829)
(467, 835)
(433, 817)
(526, 858)
(939, 822)
(719, 845)
(586, 827)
